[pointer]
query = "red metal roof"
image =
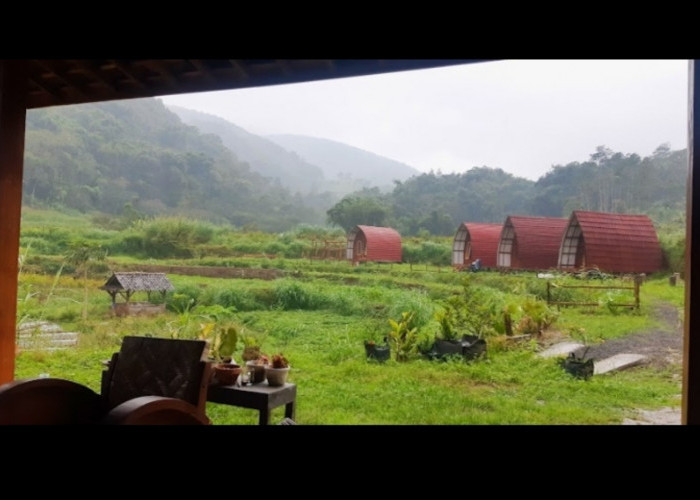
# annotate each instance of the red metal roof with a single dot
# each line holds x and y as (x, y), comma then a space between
(483, 239)
(619, 243)
(383, 243)
(536, 241)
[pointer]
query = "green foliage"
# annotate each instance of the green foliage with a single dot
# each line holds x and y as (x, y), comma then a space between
(222, 339)
(537, 316)
(431, 252)
(171, 237)
(446, 320)
(358, 210)
(513, 386)
(135, 159)
(294, 295)
(403, 336)
(231, 297)
(184, 299)
(673, 248)
(475, 311)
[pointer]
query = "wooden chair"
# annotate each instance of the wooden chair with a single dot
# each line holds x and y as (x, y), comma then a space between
(150, 381)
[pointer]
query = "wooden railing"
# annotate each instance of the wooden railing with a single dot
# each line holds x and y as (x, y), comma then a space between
(637, 283)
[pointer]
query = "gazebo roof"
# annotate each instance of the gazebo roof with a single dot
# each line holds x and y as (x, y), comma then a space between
(138, 282)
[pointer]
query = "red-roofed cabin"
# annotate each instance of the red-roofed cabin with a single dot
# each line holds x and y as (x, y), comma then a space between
(530, 243)
(375, 244)
(475, 240)
(614, 243)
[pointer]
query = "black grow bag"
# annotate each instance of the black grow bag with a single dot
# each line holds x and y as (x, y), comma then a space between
(469, 347)
(578, 367)
(377, 352)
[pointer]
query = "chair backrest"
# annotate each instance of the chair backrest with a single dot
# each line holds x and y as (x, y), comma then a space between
(150, 366)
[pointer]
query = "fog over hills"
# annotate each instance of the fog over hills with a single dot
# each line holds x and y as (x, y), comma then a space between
(302, 163)
(340, 160)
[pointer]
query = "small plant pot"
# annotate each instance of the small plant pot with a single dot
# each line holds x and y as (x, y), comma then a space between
(256, 371)
(226, 373)
(377, 352)
(470, 347)
(276, 377)
(473, 347)
(448, 347)
(578, 367)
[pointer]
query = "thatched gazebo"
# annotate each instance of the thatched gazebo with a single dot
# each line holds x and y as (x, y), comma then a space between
(127, 284)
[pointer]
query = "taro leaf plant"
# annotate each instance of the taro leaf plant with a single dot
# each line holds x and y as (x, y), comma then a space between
(223, 340)
(404, 335)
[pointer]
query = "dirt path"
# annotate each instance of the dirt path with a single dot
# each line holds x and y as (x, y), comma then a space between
(662, 346)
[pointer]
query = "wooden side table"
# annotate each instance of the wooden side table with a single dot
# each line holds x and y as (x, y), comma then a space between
(259, 397)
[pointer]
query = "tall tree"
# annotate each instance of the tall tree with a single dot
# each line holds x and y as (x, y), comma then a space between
(355, 210)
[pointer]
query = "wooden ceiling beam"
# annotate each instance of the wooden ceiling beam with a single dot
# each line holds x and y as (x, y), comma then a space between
(241, 73)
(203, 70)
(128, 72)
(69, 83)
(163, 72)
(94, 72)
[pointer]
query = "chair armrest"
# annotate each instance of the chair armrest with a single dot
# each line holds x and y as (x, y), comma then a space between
(48, 401)
(155, 410)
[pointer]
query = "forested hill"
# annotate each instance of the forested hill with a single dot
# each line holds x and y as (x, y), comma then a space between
(138, 157)
(264, 156)
(137, 153)
(607, 182)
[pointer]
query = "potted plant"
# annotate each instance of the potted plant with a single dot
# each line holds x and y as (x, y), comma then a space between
(276, 372)
(378, 351)
(578, 366)
(222, 345)
(448, 342)
(257, 369)
(404, 336)
(447, 339)
(251, 348)
(575, 365)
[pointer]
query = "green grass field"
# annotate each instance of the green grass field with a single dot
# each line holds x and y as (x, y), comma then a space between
(320, 316)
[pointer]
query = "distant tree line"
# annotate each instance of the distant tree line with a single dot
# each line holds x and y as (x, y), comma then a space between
(608, 182)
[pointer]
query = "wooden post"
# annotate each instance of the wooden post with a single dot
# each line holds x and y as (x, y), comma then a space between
(637, 282)
(690, 411)
(13, 112)
(549, 293)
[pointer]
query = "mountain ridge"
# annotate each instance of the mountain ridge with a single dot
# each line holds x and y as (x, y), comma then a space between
(302, 163)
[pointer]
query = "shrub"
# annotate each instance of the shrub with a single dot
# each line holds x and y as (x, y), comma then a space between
(293, 295)
(184, 299)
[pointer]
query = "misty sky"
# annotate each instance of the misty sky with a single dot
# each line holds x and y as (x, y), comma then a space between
(523, 116)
